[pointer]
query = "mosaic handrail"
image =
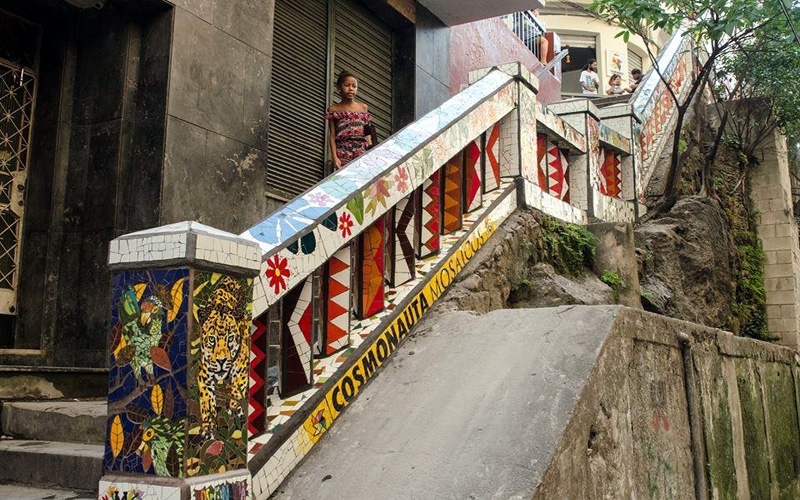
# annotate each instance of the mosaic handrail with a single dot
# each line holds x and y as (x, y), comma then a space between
(391, 231)
(655, 107)
(305, 233)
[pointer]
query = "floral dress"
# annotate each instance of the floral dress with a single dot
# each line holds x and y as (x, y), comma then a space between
(351, 139)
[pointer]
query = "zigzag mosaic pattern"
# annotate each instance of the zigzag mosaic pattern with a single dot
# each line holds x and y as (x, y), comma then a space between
(256, 421)
(558, 172)
(451, 195)
(372, 269)
(298, 310)
(472, 176)
(541, 159)
(429, 217)
(491, 177)
(339, 279)
(404, 269)
(610, 174)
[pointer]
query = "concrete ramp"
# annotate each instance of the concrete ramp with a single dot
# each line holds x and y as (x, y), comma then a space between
(470, 407)
(581, 402)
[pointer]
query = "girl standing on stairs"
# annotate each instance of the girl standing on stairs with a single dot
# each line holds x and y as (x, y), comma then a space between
(351, 131)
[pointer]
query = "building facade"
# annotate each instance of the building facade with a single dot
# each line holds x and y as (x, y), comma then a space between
(122, 115)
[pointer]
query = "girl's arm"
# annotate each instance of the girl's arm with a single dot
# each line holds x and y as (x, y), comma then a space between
(332, 143)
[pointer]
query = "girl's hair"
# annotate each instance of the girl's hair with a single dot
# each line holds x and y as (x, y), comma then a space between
(344, 75)
(613, 77)
(588, 63)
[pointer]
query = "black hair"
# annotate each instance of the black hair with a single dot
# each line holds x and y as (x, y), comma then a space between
(344, 75)
(636, 71)
(589, 63)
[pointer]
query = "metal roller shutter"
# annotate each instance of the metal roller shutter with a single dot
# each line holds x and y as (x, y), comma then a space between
(634, 60)
(363, 45)
(299, 89)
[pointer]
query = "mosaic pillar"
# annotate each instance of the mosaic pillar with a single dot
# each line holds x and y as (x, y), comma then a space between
(528, 143)
(583, 177)
(179, 364)
(622, 120)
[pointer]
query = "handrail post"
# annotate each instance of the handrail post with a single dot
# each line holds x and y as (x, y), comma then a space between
(583, 169)
(624, 120)
(179, 356)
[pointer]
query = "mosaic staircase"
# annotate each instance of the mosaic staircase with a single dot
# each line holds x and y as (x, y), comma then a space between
(339, 276)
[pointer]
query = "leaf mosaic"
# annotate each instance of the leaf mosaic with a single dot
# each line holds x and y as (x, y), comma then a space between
(147, 372)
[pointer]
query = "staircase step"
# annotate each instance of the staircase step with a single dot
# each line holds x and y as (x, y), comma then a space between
(18, 492)
(67, 421)
(47, 463)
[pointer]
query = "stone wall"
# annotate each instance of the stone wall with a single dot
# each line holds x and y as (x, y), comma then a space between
(777, 230)
(676, 410)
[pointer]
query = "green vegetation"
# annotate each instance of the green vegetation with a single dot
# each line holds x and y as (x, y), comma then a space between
(613, 280)
(569, 248)
(746, 52)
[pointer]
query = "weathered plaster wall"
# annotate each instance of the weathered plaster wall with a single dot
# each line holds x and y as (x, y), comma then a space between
(672, 407)
(488, 43)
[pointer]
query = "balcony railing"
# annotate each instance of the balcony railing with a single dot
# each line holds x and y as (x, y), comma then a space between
(529, 29)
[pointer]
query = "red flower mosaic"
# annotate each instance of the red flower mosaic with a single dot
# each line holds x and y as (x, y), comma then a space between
(277, 273)
(345, 223)
(401, 178)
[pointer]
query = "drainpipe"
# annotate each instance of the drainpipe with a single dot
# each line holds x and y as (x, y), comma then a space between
(694, 408)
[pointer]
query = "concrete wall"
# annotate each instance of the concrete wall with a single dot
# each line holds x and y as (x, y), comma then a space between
(94, 170)
(675, 410)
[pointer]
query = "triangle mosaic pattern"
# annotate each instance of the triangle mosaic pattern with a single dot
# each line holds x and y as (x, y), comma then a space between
(256, 422)
(404, 269)
(372, 269)
(492, 175)
(429, 220)
(296, 345)
(451, 196)
(472, 174)
(610, 174)
(338, 302)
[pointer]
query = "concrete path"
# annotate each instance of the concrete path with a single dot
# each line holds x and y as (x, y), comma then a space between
(470, 407)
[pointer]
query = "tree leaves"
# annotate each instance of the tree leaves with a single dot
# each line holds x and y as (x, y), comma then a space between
(116, 436)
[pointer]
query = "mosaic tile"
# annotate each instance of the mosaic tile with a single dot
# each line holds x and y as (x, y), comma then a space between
(147, 372)
(339, 283)
(114, 489)
(612, 138)
(473, 170)
(403, 255)
(371, 269)
(301, 441)
(219, 374)
(430, 218)
(451, 195)
(258, 369)
(492, 164)
(610, 175)
(296, 321)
